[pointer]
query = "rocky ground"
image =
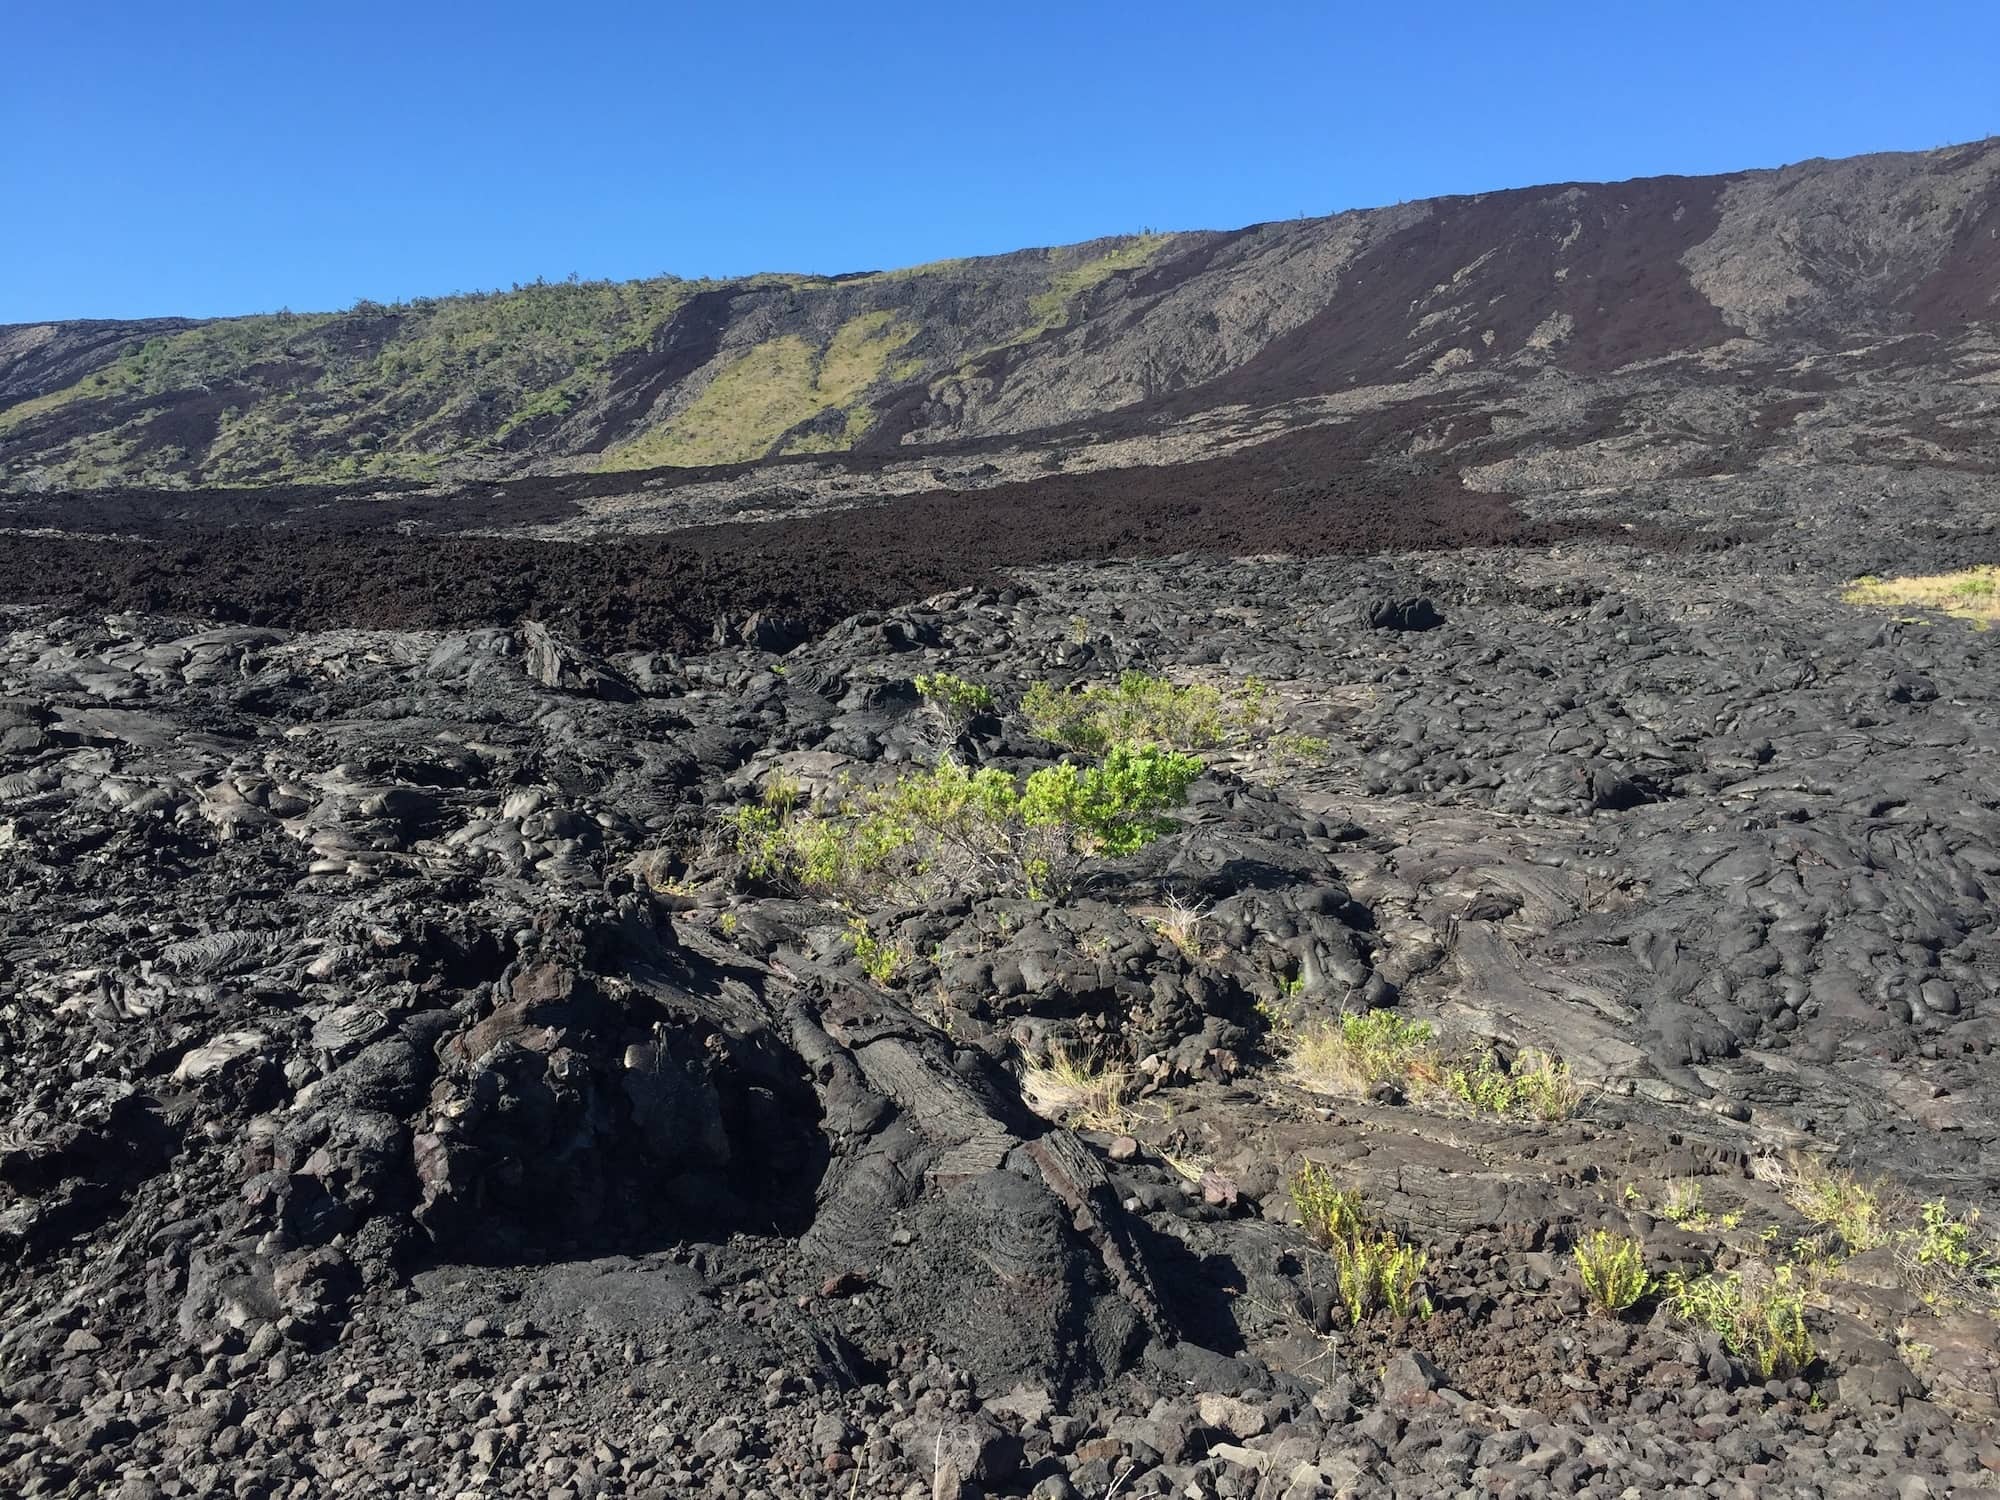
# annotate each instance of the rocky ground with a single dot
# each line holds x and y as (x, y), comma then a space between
(410, 1092)
(409, 1086)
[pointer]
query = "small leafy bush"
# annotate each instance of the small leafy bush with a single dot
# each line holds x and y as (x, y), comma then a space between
(952, 698)
(881, 961)
(950, 831)
(1947, 1259)
(1762, 1323)
(1380, 1271)
(1612, 1268)
(1944, 1241)
(1536, 1087)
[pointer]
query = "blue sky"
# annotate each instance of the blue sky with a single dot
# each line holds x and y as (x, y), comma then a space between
(208, 158)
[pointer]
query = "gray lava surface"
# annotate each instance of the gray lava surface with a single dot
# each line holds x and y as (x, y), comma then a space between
(408, 1091)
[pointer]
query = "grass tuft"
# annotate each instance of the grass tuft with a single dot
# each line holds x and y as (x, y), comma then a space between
(1612, 1268)
(1179, 922)
(1069, 1088)
(1356, 1053)
(1838, 1201)
(1969, 594)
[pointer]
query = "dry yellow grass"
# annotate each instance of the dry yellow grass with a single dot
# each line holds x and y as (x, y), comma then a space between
(1969, 594)
(1088, 1097)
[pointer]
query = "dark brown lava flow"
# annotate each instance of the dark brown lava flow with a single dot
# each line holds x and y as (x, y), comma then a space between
(1301, 495)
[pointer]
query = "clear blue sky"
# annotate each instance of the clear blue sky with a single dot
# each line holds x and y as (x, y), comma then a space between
(205, 157)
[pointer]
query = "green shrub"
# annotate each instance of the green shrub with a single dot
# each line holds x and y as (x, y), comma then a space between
(1612, 1268)
(1762, 1323)
(1141, 709)
(1943, 1240)
(952, 698)
(1373, 1269)
(949, 831)
(1537, 1087)
(881, 961)
(1947, 1259)
(1380, 1271)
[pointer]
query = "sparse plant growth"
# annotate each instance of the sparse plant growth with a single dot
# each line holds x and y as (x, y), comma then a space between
(1327, 1211)
(1946, 1258)
(1944, 1241)
(1941, 1256)
(773, 388)
(1612, 1268)
(1069, 1088)
(1380, 1271)
(1301, 747)
(950, 831)
(952, 698)
(1357, 1052)
(1969, 594)
(881, 961)
(1760, 1321)
(1051, 308)
(1537, 1086)
(1839, 1202)
(1682, 1204)
(380, 391)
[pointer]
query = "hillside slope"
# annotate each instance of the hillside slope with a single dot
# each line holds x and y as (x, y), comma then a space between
(565, 377)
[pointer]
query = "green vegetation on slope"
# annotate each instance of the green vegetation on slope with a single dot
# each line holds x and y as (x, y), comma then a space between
(1052, 308)
(493, 382)
(764, 393)
(373, 392)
